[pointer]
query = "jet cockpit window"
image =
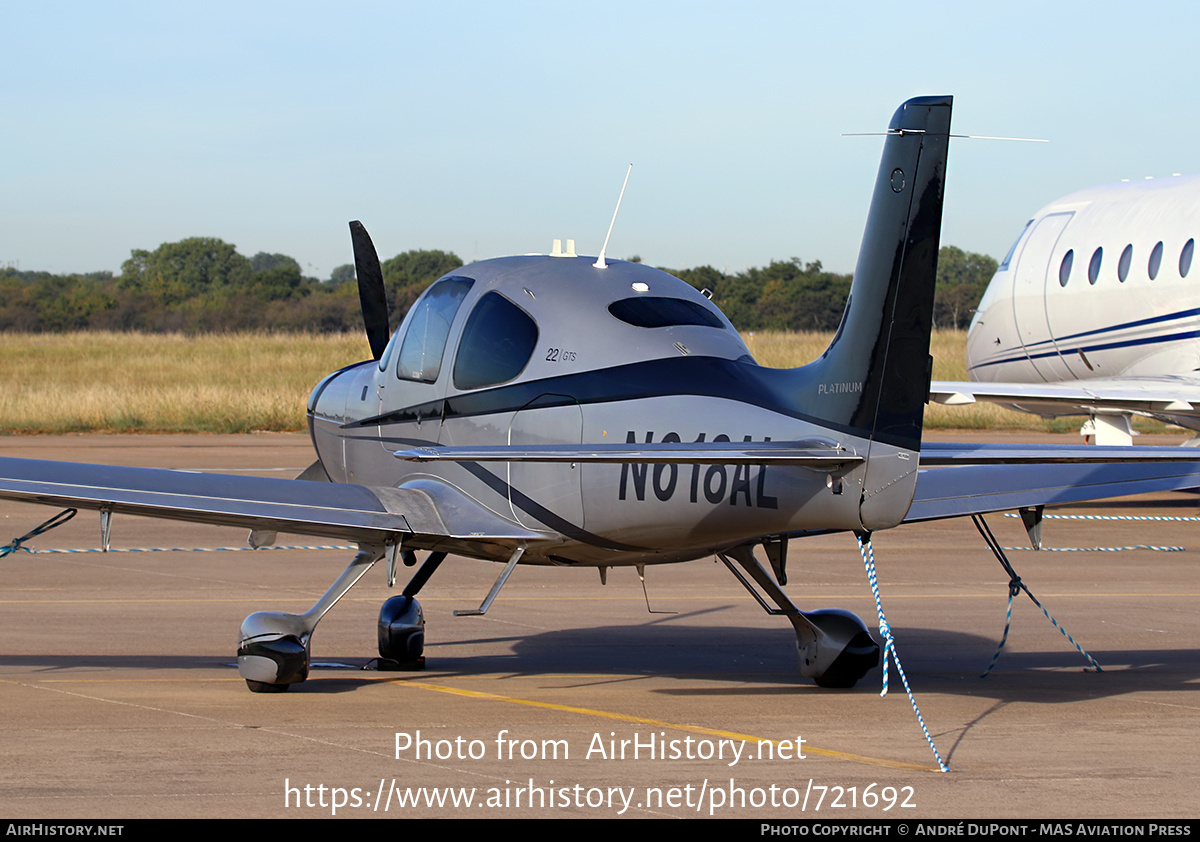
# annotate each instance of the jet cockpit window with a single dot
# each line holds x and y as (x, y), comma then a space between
(1004, 264)
(653, 311)
(1185, 258)
(497, 343)
(428, 329)
(1064, 269)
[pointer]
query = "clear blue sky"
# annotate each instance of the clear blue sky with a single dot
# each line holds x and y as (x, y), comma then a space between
(491, 128)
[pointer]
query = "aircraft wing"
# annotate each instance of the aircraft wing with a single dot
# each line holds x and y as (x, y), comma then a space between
(1167, 395)
(428, 509)
(796, 454)
(965, 479)
(954, 480)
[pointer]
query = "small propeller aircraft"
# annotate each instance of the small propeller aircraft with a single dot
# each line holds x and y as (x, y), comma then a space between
(561, 410)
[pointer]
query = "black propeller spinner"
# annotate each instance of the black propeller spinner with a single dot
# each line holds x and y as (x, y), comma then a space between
(371, 294)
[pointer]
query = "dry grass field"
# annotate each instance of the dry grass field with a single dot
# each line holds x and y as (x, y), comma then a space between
(131, 382)
(234, 383)
(783, 350)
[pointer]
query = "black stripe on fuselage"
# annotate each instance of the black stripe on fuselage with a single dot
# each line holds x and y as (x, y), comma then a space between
(534, 509)
(790, 392)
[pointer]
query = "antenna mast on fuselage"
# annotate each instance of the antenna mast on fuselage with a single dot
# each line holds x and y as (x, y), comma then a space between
(600, 264)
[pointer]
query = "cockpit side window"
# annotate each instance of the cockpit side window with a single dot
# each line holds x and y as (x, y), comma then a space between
(497, 343)
(428, 329)
(655, 311)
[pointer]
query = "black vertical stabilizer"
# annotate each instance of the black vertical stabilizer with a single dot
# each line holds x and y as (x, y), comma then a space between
(873, 379)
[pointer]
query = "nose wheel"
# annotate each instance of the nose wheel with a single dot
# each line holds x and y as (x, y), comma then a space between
(401, 634)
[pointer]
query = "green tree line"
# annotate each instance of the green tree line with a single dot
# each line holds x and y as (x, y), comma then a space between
(202, 284)
(793, 295)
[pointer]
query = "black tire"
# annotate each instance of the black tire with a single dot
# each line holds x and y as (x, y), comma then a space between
(263, 687)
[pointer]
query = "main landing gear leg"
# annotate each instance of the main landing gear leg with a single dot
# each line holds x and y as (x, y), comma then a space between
(273, 652)
(834, 646)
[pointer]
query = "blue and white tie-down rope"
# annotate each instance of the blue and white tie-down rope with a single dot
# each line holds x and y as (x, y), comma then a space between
(889, 643)
(1015, 586)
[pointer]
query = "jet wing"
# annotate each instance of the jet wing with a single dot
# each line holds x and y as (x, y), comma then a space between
(332, 510)
(966, 479)
(1167, 395)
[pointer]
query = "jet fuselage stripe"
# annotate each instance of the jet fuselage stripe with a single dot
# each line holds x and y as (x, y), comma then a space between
(1182, 314)
(1108, 346)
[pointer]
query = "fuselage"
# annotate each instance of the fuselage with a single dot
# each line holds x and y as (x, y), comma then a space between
(553, 350)
(1099, 284)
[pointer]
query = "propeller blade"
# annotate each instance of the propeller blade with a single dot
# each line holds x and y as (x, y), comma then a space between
(371, 294)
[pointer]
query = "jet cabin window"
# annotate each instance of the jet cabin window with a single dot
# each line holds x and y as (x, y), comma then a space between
(1064, 270)
(652, 311)
(1155, 261)
(496, 345)
(1124, 262)
(1094, 265)
(1185, 258)
(425, 339)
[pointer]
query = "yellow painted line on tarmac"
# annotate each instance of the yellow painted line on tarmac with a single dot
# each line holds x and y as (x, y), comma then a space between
(496, 697)
(26, 681)
(658, 723)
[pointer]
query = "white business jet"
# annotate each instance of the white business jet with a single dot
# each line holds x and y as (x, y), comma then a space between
(1095, 311)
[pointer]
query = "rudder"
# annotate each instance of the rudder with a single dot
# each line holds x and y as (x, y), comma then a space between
(873, 379)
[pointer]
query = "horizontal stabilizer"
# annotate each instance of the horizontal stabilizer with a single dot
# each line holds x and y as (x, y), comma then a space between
(935, 454)
(967, 489)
